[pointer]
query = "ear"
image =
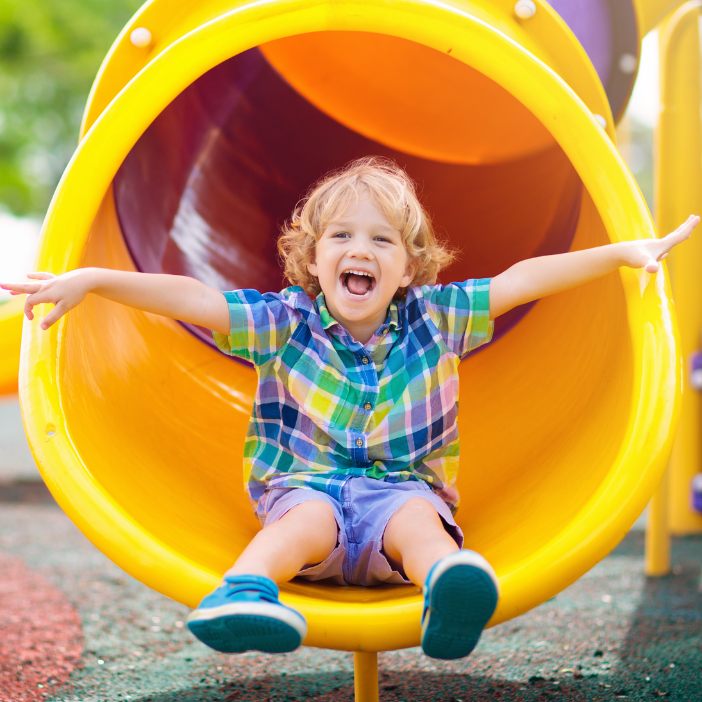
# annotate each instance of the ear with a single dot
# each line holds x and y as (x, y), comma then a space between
(410, 271)
(312, 269)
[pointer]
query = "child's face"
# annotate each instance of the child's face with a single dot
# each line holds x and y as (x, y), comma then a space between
(360, 263)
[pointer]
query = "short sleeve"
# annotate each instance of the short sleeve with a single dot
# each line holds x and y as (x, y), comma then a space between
(461, 313)
(260, 325)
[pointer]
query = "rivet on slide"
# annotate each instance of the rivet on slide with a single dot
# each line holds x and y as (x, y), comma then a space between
(140, 37)
(525, 9)
(628, 63)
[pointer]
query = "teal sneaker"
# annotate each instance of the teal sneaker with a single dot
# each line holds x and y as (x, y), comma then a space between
(460, 596)
(245, 614)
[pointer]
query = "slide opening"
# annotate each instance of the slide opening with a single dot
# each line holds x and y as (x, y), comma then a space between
(205, 190)
(544, 408)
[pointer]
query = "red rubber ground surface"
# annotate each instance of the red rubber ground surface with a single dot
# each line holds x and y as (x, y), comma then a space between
(613, 634)
(41, 639)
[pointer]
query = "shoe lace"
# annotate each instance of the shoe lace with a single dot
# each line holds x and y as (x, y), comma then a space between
(264, 591)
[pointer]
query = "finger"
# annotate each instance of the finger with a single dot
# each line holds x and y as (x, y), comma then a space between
(22, 288)
(677, 237)
(651, 267)
(687, 226)
(52, 317)
(41, 296)
(39, 275)
(692, 220)
(37, 298)
(684, 230)
(28, 308)
(662, 256)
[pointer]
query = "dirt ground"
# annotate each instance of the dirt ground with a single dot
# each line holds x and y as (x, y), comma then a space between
(75, 628)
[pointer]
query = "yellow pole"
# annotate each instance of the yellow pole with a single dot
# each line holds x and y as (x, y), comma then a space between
(365, 676)
(651, 12)
(624, 138)
(657, 561)
(679, 194)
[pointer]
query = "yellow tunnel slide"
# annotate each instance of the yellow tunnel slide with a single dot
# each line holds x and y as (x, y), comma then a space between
(202, 131)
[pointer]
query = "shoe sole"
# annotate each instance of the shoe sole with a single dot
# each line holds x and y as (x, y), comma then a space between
(240, 627)
(463, 596)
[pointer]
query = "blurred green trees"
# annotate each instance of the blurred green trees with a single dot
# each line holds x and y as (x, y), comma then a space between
(50, 51)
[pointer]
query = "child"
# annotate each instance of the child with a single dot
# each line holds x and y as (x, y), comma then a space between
(352, 447)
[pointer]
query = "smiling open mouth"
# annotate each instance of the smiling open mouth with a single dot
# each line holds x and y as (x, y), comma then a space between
(358, 283)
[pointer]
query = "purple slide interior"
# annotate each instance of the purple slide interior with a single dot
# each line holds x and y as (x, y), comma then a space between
(607, 30)
(205, 189)
(591, 22)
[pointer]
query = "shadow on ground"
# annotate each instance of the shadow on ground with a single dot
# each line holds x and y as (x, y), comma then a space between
(422, 687)
(419, 687)
(664, 642)
(661, 658)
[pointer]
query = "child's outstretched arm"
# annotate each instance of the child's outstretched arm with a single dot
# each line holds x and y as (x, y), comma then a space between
(175, 296)
(538, 277)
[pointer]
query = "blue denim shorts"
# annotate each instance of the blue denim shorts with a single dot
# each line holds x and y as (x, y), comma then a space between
(362, 512)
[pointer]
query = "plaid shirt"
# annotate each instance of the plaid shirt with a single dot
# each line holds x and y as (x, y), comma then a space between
(328, 407)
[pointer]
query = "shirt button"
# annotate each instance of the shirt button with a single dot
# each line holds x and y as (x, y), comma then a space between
(364, 360)
(359, 442)
(368, 406)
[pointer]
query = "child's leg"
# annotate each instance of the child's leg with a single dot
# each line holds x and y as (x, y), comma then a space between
(305, 535)
(415, 539)
(244, 613)
(460, 587)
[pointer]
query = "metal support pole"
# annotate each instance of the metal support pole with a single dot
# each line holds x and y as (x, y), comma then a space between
(657, 560)
(365, 676)
(679, 194)
(651, 12)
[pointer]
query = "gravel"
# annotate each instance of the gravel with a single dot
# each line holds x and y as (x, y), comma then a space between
(614, 634)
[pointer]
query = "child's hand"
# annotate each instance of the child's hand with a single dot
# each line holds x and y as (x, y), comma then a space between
(64, 291)
(646, 253)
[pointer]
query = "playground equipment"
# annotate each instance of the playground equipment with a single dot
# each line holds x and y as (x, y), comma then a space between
(610, 32)
(11, 313)
(678, 189)
(197, 144)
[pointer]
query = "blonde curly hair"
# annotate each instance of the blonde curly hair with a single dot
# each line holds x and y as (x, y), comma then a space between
(327, 200)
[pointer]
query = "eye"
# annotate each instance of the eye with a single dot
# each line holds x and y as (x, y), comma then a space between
(340, 235)
(383, 239)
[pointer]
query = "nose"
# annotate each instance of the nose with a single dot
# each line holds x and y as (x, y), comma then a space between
(361, 248)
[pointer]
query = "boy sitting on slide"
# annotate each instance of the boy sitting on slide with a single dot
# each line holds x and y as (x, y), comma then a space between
(352, 449)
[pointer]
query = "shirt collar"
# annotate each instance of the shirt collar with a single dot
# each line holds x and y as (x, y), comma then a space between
(393, 319)
(324, 315)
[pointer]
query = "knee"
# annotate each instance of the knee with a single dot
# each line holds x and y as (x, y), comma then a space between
(416, 516)
(313, 513)
(417, 509)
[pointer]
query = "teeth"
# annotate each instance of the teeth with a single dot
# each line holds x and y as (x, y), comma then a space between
(369, 275)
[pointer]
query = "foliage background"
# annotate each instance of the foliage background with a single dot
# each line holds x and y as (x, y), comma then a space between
(50, 51)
